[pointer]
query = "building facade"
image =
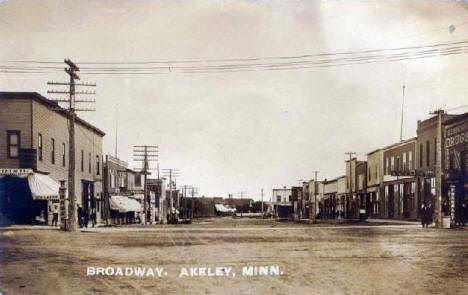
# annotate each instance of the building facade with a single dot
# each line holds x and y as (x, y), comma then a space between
(455, 182)
(330, 200)
(375, 187)
(34, 132)
(400, 182)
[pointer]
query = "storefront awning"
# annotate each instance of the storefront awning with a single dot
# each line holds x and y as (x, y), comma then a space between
(124, 204)
(43, 187)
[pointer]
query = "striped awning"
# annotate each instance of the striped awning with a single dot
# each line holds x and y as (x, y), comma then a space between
(43, 187)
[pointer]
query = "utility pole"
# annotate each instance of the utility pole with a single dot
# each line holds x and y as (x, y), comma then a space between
(193, 193)
(315, 197)
(71, 71)
(185, 187)
(171, 173)
(350, 176)
(116, 127)
(438, 169)
(145, 154)
(402, 114)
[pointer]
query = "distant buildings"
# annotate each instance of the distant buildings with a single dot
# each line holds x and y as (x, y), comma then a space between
(396, 180)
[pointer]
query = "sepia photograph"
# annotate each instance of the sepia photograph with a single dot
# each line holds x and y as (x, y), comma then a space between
(230, 147)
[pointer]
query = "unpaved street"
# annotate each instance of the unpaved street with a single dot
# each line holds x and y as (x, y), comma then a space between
(345, 259)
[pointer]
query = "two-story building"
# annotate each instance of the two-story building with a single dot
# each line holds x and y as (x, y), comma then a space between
(375, 187)
(356, 172)
(330, 190)
(34, 136)
(282, 203)
(123, 199)
(400, 197)
(455, 182)
(341, 196)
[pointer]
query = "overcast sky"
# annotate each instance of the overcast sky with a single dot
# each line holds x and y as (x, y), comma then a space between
(243, 131)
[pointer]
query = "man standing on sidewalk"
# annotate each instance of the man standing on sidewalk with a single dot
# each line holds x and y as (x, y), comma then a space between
(55, 215)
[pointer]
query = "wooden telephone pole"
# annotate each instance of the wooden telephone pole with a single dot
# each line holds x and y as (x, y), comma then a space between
(184, 188)
(350, 177)
(145, 154)
(70, 224)
(438, 169)
(171, 173)
(315, 197)
(194, 191)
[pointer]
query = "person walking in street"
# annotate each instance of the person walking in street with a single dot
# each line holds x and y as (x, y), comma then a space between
(55, 212)
(429, 214)
(80, 216)
(423, 214)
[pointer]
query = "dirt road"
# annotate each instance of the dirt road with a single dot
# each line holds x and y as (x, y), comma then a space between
(313, 259)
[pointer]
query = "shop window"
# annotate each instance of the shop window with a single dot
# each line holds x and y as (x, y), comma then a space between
(98, 168)
(39, 147)
(112, 178)
(14, 143)
(52, 152)
(63, 154)
(82, 160)
(410, 160)
(465, 162)
(420, 155)
(404, 161)
(428, 153)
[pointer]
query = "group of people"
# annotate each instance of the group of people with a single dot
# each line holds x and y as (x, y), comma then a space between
(426, 215)
(84, 216)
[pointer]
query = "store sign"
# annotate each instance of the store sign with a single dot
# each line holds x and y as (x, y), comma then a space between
(15, 171)
(456, 135)
(428, 173)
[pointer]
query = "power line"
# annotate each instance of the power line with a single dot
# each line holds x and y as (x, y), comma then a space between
(284, 63)
(249, 59)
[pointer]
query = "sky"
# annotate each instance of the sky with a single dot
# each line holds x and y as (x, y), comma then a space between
(237, 132)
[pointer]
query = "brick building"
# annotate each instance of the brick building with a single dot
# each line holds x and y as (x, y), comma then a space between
(426, 154)
(34, 135)
(400, 197)
(455, 183)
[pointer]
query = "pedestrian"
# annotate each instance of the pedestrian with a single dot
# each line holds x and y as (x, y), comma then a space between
(86, 218)
(423, 214)
(445, 208)
(429, 215)
(465, 213)
(93, 216)
(461, 214)
(55, 211)
(80, 216)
